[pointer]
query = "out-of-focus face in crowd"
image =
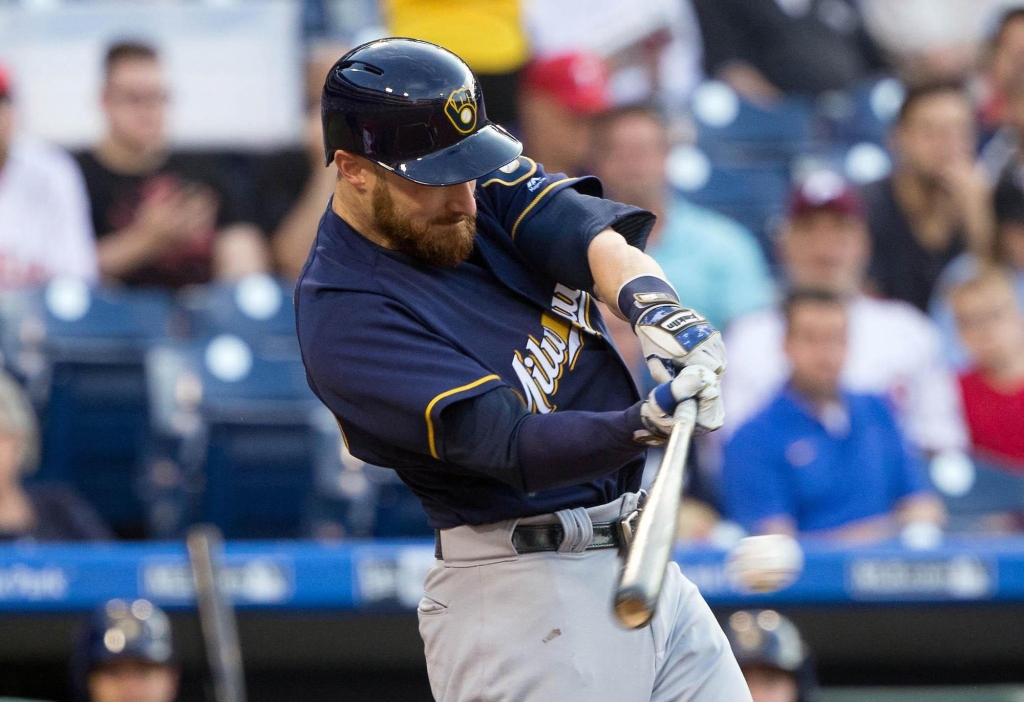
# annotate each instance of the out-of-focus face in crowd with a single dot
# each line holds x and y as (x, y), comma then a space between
(134, 101)
(771, 684)
(990, 321)
(133, 681)
(629, 156)
(816, 346)
(1008, 57)
(936, 133)
(826, 249)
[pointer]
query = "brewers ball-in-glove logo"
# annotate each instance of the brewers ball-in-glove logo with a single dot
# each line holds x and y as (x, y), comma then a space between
(461, 110)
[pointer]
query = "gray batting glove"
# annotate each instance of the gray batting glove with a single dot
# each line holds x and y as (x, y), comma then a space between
(658, 410)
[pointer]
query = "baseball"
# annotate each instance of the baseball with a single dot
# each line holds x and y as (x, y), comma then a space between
(759, 564)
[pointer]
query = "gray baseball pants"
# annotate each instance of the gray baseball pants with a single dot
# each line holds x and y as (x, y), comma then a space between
(538, 627)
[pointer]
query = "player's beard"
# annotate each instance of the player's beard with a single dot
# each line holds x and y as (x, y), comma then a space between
(443, 241)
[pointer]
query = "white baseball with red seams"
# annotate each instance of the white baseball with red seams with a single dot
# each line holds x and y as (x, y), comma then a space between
(766, 563)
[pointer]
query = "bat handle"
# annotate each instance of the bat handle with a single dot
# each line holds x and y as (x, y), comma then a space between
(640, 584)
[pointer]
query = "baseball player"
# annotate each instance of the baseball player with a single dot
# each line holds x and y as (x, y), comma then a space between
(447, 317)
(125, 653)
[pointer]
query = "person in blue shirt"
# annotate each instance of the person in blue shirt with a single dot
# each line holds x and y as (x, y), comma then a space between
(715, 264)
(446, 316)
(819, 459)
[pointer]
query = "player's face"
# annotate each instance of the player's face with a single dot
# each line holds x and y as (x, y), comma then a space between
(826, 250)
(630, 161)
(990, 323)
(816, 347)
(938, 133)
(134, 101)
(770, 685)
(133, 681)
(434, 224)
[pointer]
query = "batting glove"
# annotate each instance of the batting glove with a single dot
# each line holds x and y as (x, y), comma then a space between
(658, 410)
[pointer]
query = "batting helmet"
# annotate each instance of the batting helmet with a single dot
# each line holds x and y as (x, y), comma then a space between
(415, 109)
(120, 630)
(766, 638)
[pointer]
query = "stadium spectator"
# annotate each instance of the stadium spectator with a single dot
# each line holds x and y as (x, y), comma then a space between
(125, 654)
(45, 230)
(819, 459)
(558, 98)
(767, 48)
(937, 202)
(991, 322)
(161, 217)
(930, 40)
(714, 263)
(894, 350)
(38, 512)
(1007, 250)
(775, 661)
(491, 39)
(1003, 106)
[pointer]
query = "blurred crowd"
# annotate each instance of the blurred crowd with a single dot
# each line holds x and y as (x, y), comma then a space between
(868, 278)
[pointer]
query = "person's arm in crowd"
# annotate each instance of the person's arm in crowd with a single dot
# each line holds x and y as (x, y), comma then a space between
(968, 184)
(294, 237)
(725, 39)
(240, 249)
(165, 220)
(755, 491)
(73, 231)
(913, 499)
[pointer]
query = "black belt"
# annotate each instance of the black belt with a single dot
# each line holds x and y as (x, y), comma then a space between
(535, 538)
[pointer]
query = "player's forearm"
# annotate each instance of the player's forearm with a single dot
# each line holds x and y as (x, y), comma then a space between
(613, 262)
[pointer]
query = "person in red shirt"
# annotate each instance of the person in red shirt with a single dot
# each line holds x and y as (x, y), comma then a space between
(991, 325)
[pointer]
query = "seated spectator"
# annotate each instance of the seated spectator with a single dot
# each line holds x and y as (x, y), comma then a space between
(767, 48)
(991, 322)
(774, 659)
(937, 202)
(1007, 250)
(819, 459)
(894, 350)
(161, 218)
(558, 98)
(1002, 109)
(39, 512)
(125, 653)
(45, 230)
(714, 263)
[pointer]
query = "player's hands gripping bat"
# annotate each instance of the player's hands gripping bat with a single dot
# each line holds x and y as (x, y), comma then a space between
(640, 583)
(658, 412)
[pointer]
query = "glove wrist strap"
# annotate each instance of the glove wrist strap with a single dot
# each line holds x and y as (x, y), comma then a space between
(643, 292)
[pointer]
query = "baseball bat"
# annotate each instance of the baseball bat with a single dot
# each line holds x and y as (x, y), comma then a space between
(216, 615)
(640, 583)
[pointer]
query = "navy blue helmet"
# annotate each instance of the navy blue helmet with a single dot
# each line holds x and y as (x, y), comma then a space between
(766, 638)
(415, 109)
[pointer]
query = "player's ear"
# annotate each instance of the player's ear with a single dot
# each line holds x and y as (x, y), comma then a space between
(354, 170)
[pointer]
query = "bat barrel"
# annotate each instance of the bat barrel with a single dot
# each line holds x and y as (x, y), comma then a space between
(636, 598)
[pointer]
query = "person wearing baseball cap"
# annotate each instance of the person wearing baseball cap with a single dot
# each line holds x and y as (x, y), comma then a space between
(558, 97)
(124, 653)
(774, 659)
(824, 244)
(44, 211)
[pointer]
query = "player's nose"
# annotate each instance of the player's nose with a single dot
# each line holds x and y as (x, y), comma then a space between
(462, 199)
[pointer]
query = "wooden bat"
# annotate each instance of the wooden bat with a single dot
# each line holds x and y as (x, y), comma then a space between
(640, 583)
(216, 615)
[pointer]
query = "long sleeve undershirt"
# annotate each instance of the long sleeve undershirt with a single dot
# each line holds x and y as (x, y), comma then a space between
(496, 435)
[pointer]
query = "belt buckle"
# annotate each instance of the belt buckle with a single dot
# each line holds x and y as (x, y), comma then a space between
(627, 527)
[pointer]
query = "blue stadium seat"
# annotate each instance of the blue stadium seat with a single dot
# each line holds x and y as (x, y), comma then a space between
(864, 114)
(237, 437)
(754, 195)
(88, 379)
(971, 493)
(733, 130)
(258, 309)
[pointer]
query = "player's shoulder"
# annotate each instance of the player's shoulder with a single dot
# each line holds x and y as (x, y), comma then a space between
(519, 171)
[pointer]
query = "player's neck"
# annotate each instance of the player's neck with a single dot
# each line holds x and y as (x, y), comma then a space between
(357, 215)
(122, 157)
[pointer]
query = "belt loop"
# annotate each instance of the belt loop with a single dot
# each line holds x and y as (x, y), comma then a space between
(577, 530)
